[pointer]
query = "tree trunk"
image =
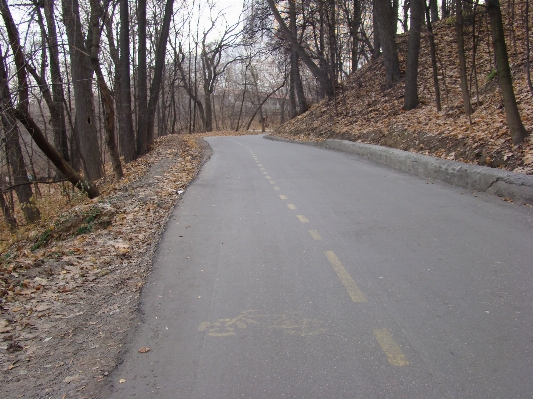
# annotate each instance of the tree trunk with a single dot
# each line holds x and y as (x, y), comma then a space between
(518, 132)
(208, 111)
(142, 81)
(434, 8)
(295, 64)
(158, 71)
(375, 26)
(387, 34)
(433, 54)
(8, 216)
(293, 113)
(411, 70)
(12, 143)
(107, 98)
(59, 119)
(332, 43)
(127, 135)
(82, 77)
(462, 58)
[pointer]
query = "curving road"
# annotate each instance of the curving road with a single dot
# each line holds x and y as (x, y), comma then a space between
(289, 271)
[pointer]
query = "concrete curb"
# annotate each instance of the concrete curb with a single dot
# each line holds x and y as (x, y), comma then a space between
(516, 186)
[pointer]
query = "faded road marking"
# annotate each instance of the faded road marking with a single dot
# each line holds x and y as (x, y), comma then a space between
(355, 293)
(302, 218)
(283, 196)
(271, 181)
(315, 234)
(390, 348)
(265, 173)
(288, 323)
(291, 206)
(276, 188)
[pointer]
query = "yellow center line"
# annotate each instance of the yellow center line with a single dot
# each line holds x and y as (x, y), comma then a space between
(302, 218)
(276, 188)
(347, 280)
(394, 354)
(291, 206)
(315, 234)
(283, 196)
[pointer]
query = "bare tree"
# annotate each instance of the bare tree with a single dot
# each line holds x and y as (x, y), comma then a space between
(433, 54)
(21, 112)
(82, 75)
(12, 143)
(514, 122)
(462, 59)
(322, 77)
(127, 135)
(387, 35)
(212, 64)
(107, 98)
(411, 70)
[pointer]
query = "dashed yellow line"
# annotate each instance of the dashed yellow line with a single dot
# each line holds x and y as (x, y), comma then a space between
(283, 197)
(268, 177)
(265, 173)
(394, 354)
(302, 218)
(271, 181)
(260, 164)
(291, 206)
(355, 293)
(315, 234)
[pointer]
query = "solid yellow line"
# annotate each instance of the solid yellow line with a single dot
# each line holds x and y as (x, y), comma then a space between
(276, 188)
(347, 280)
(391, 348)
(283, 196)
(302, 218)
(315, 234)
(291, 206)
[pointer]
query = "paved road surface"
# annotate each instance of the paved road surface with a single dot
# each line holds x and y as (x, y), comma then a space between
(289, 271)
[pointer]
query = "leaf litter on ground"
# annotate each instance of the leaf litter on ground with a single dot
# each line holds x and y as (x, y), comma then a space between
(69, 286)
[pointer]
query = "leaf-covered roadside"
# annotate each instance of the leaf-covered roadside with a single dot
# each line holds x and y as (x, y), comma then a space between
(68, 296)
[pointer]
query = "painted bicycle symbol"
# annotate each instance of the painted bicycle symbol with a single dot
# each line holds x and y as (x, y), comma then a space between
(288, 323)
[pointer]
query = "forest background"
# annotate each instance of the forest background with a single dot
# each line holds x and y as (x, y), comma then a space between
(102, 104)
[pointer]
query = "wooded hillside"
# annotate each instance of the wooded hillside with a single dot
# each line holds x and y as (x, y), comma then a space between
(364, 110)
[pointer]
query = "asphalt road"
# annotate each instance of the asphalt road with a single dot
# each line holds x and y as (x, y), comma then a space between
(289, 271)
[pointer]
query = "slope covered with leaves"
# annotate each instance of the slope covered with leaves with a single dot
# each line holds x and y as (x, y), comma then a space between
(69, 286)
(364, 111)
